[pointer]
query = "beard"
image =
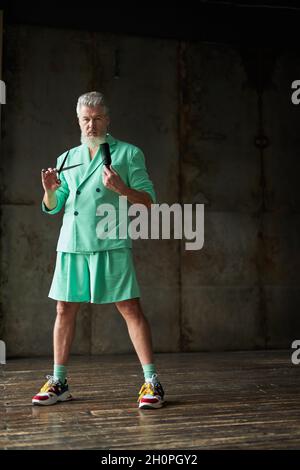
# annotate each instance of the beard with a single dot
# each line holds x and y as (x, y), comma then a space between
(92, 142)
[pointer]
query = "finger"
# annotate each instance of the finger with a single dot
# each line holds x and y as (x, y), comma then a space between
(113, 170)
(108, 169)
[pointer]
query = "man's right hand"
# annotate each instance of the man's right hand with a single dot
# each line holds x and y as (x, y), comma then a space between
(50, 180)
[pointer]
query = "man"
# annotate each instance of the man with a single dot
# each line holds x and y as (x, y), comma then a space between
(90, 268)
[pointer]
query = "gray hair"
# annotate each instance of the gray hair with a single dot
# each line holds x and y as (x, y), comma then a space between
(91, 99)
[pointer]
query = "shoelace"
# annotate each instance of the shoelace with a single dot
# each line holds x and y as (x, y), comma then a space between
(147, 388)
(50, 382)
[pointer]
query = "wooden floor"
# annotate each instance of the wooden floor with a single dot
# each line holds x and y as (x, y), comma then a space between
(244, 400)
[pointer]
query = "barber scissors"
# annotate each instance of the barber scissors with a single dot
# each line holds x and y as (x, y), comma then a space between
(62, 168)
(68, 167)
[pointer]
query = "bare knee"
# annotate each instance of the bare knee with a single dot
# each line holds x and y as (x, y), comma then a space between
(130, 309)
(66, 309)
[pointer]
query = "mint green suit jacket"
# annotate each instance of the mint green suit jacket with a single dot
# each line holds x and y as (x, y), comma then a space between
(82, 191)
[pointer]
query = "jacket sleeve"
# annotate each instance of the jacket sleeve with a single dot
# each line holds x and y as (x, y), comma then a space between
(138, 175)
(62, 194)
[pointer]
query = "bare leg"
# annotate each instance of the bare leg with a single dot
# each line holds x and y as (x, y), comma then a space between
(64, 330)
(138, 328)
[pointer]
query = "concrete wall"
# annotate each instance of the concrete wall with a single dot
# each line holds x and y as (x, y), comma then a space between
(1, 46)
(195, 111)
(242, 290)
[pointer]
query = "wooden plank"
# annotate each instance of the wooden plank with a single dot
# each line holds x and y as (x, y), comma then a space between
(214, 401)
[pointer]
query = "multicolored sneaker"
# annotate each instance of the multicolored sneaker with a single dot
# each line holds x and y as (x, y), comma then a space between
(151, 394)
(52, 392)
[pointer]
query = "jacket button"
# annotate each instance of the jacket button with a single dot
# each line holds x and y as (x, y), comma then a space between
(78, 192)
(98, 190)
(75, 213)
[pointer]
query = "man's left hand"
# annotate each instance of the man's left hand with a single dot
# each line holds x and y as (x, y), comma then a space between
(112, 180)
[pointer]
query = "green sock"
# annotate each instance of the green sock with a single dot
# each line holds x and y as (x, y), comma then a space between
(60, 372)
(149, 369)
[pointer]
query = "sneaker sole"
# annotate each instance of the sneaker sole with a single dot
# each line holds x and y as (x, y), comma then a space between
(149, 406)
(52, 400)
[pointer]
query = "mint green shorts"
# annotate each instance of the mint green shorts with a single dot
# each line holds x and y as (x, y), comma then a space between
(100, 277)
